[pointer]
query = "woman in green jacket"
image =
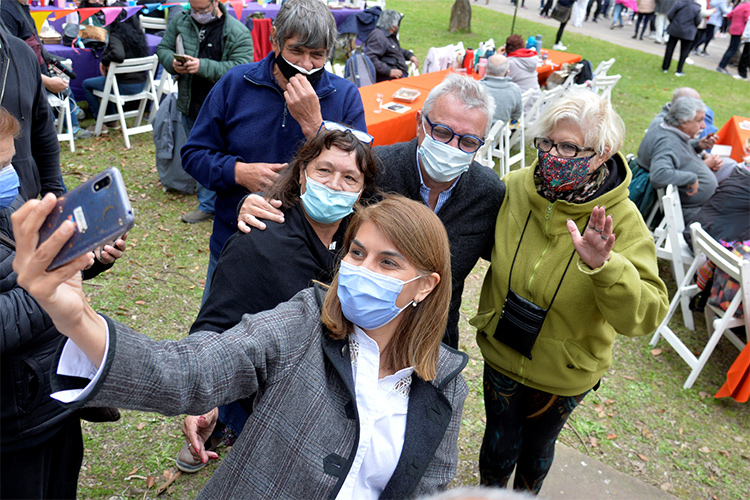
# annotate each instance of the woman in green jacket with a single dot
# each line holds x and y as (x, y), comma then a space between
(567, 275)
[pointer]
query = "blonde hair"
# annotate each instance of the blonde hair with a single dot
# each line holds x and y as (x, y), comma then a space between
(602, 127)
(420, 237)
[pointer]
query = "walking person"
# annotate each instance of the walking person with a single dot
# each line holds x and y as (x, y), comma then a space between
(713, 25)
(745, 57)
(562, 13)
(706, 12)
(684, 18)
(645, 16)
(737, 20)
(662, 8)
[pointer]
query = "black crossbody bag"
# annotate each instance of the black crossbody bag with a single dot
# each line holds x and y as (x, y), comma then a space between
(522, 320)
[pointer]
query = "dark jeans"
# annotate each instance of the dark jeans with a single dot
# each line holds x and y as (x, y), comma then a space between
(646, 18)
(744, 61)
(734, 45)
(597, 11)
(522, 427)
(97, 83)
(47, 470)
(699, 36)
(685, 46)
(707, 37)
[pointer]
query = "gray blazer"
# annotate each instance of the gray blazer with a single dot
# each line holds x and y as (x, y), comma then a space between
(302, 437)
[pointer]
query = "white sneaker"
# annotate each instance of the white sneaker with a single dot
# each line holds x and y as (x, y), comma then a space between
(689, 61)
(559, 46)
(679, 74)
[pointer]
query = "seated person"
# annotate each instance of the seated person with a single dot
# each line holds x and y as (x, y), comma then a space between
(670, 157)
(126, 40)
(318, 191)
(709, 119)
(357, 398)
(507, 95)
(522, 63)
(385, 52)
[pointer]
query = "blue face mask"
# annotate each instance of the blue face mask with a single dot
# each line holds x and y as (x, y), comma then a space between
(441, 162)
(368, 299)
(8, 186)
(326, 205)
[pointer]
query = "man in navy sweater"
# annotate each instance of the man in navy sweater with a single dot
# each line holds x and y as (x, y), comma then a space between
(256, 117)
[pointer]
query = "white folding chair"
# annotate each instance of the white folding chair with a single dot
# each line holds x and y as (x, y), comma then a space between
(603, 67)
(167, 84)
(63, 118)
(153, 23)
(704, 246)
(604, 84)
(111, 93)
(515, 136)
(671, 245)
(547, 97)
(493, 148)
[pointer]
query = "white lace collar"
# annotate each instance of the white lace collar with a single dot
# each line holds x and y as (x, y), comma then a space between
(360, 344)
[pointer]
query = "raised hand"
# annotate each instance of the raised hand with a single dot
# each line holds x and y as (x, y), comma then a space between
(255, 209)
(596, 242)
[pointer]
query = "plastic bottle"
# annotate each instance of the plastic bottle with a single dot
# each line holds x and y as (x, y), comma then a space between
(539, 44)
(469, 61)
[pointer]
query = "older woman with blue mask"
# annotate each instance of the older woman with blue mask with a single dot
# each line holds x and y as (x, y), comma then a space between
(567, 276)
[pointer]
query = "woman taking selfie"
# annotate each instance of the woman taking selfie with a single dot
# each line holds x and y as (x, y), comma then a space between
(567, 276)
(358, 397)
(259, 270)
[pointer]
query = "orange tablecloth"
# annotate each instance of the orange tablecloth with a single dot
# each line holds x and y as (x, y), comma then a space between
(388, 127)
(558, 59)
(732, 135)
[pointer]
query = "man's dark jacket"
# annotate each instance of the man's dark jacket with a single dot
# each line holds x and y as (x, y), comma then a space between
(469, 215)
(386, 54)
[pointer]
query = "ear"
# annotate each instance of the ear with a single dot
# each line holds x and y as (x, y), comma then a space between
(600, 158)
(420, 130)
(274, 44)
(426, 285)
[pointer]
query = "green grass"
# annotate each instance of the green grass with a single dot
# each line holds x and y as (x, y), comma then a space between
(698, 445)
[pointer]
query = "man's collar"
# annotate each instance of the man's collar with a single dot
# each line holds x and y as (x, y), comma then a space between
(679, 132)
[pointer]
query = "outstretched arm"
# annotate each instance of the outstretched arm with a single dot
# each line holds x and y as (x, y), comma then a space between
(59, 292)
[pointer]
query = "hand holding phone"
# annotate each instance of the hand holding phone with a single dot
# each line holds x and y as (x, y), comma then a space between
(180, 58)
(102, 213)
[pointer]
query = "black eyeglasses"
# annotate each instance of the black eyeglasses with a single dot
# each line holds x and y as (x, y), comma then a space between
(565, 149)
(443, 133)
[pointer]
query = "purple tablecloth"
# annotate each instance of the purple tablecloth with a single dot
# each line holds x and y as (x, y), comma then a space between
(86, 65)
(270, 10)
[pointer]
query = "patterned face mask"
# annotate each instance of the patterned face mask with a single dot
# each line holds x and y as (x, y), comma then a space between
(562, 174)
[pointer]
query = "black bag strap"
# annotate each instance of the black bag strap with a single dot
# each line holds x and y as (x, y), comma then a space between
(510, 274)
(5, 240)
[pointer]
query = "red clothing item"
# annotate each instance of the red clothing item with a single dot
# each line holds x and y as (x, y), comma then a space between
(522, 53)
(738, 18)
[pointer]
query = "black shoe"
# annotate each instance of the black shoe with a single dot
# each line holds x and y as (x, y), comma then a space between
(634, 36)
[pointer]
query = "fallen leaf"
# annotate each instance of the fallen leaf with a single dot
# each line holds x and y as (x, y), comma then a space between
(656, 352)
(610, 401)
(133, 471)
(150, 481)
(666, 486)
(141, 426)
(725, 453)
(594, 442)
(703, 394)
(628, 378)
(140, 302)
(643, 457)
(704, 449)
(681, 431)
(612, 435)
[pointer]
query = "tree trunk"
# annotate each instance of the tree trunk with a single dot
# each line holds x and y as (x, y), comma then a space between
(461, 17)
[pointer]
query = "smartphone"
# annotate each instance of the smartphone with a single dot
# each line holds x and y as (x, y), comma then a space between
(102, 213)
(182, 59)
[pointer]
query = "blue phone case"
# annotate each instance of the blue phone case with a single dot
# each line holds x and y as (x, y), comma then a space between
(102, 213)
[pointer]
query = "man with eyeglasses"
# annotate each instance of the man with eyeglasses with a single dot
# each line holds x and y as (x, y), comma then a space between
(207, 43)
(438, 168)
